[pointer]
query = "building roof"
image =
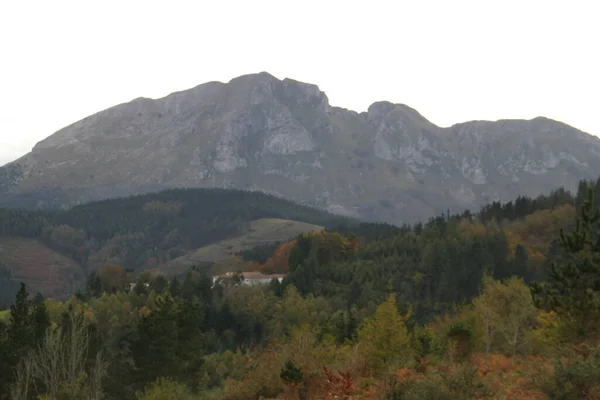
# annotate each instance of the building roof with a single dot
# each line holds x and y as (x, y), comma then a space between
(260, 275)
(251, 275)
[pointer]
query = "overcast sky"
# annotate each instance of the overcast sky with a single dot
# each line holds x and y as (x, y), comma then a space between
(451, 60)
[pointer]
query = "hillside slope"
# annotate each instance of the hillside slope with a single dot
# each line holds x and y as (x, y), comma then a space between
(261, 231)
(44, 270)
(283, 137)
(50, 250)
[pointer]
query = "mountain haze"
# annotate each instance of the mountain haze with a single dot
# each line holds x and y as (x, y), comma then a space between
(284, 138)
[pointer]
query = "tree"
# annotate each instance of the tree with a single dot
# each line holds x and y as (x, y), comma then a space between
(506, 309)
(275, 287)
(113, 278)
(278, 263)
(8, 287)
(5, 365)
(59, 367)
(155, 350)
(520, 261)
(291, 374)
(384, 337)
(164, 389)
(484, 305)
(583, 188)
(93, 286)
(573, 286)
(40, 317)
(26, 330)
(190, 339)
(197, 283)
(515, 312)
(22, 387)
(159, 284)
(291, 312)
(142, 285)
(21, 333)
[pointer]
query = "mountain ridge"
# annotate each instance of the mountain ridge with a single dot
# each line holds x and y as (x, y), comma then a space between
(283, 137)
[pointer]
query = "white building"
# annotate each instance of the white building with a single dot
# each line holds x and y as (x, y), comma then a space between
(251, 278)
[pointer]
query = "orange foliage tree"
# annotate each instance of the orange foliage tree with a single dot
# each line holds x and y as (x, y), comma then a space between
(278, 263)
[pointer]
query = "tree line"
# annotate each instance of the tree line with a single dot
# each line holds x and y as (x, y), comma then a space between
(452, 308)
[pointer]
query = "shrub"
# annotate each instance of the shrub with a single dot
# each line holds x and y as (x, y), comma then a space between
(165, 389)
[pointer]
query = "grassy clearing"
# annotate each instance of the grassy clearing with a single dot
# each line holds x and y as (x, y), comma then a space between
(262, 231)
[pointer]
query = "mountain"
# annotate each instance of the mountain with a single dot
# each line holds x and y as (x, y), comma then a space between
(284, 138)
(53, 251)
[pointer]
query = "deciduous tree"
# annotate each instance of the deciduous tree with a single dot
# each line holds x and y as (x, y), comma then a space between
(384, 337)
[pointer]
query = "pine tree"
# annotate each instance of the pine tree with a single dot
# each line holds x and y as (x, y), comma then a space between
(573, 286)
(597, 189)
(582, 192)
(155, 350)
(25, 329)
(21, 333)
(520, 261)
(291, 374)
(93, 285)
(5, 365)
(40, 318)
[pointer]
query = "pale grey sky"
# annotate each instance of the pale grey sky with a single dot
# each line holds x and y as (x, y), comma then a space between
(451, 60)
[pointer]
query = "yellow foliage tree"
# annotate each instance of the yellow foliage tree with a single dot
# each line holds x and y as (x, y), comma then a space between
(384, 338)
(549, 332)
(506, 308)
(165, 389)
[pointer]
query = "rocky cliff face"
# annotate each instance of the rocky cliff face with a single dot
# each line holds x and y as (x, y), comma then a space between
(283, 137)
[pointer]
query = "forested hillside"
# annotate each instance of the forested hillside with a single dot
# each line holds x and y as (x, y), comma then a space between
(143, 231)
(491, 305)
(431, 266)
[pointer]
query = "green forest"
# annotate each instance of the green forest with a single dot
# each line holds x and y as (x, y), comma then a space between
(142, 231)
(502, 303)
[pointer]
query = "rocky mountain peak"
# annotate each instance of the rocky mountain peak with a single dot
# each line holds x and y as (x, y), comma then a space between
(257, 132)
(305, 95)
(386, 110)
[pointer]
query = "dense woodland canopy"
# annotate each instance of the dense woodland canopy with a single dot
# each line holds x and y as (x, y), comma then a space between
(498, 304)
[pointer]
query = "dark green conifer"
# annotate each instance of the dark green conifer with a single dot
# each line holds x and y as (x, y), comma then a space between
(573, 286)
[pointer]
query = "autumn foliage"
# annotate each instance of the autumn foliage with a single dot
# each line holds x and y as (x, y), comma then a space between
(340, 385)
(464, 307)
(278, 263)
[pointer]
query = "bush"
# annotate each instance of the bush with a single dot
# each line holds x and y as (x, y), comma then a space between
(291, 374)
(165, 389)
(464, 384)
(460, 341)
(577, 378)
